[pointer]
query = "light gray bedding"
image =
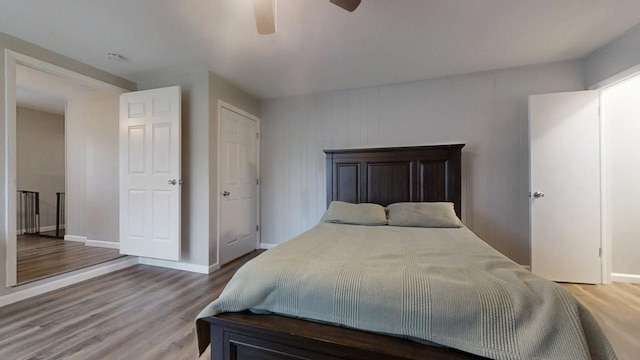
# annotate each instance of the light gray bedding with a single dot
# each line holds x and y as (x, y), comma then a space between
(441, 285)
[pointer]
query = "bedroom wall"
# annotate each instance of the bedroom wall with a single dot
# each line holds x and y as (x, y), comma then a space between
(92, 167)
(486, 111)
(622, 121)
(40, 158)
(12, 43)
(76, 221)
(615, 60)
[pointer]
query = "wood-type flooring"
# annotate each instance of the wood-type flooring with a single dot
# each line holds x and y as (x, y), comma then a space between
(146, 312)
(617, 309)
(41, 256)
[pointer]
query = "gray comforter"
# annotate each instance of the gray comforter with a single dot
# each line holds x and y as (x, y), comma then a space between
(440, 285)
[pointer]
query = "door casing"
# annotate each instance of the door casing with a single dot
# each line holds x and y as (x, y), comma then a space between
(223, 104)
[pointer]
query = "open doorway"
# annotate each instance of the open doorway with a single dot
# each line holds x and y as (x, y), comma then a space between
(621, 104)
(61, 166)
(40, 157)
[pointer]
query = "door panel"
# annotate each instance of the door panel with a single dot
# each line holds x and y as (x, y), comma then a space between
(161, 148)
(565, 168)
(238, 185)
(150, 130)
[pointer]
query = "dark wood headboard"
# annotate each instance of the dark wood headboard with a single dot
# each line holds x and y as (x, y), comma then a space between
(388, 175)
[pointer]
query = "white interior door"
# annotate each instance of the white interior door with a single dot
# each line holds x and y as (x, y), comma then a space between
(564, 131)
(238, 176)
(150, 173)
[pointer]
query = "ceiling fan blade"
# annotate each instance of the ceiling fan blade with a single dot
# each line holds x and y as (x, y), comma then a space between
(348, 5)
(265, 11)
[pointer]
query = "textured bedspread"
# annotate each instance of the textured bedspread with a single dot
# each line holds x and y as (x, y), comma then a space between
(441, 285)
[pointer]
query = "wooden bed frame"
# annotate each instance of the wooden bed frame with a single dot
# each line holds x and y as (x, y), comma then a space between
(389, 175)
(382, 176)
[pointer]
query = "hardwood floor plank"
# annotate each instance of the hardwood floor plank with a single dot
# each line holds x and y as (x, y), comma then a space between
(113, 318)
(142, 312)
(146, 312)
(616, 307)
(41, 256)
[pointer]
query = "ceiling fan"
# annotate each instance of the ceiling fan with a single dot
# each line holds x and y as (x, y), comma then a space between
(265, 11)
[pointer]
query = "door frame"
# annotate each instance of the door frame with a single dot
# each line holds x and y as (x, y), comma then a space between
(605, 193)
(11, 60)
(226, 105)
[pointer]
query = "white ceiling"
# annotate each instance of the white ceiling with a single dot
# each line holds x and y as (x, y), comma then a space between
(42, 91)
(318, 46)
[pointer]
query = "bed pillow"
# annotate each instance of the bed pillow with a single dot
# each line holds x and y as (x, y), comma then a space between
(356, 214)
(425, 214)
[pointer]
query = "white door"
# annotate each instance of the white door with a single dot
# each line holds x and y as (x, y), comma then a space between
(238, 177)
(564, 130)
(150, 173)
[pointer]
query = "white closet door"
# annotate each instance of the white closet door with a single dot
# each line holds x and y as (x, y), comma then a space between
(564, 131)
(238, 184)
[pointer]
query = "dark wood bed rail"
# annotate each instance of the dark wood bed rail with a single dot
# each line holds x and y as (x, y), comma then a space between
(247, 336)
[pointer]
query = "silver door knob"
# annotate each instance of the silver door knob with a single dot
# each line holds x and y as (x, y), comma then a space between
(538, 194)
(173, 182)
(226, 193)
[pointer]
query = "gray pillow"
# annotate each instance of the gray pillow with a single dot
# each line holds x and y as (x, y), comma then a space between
(426, 214)
(357, 214)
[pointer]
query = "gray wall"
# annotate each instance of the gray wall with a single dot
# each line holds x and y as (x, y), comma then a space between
(92, 166)
(40, 158)
(615, 60)
(486, 111)
(23, 47)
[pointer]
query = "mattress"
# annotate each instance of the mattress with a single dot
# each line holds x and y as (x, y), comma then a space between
(434, 285)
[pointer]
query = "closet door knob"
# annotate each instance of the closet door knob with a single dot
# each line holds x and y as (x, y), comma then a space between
(226, 193)
(538, 194)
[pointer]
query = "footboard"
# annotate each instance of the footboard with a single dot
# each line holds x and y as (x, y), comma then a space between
(248, 336)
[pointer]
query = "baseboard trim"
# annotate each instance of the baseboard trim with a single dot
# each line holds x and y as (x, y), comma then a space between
(42, 229)
(267, 246)
(527, 267)
(628, 278)
(75, 277)
(49, 228)
(177, 265)
(102, 244)
(75, 238)
(213, 268)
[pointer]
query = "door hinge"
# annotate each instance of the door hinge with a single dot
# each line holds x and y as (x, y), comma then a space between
(257, 135)
(600, 252)
(257, 181)
(257, 227)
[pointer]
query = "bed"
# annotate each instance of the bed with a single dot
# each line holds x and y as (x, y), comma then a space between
(394, 292)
